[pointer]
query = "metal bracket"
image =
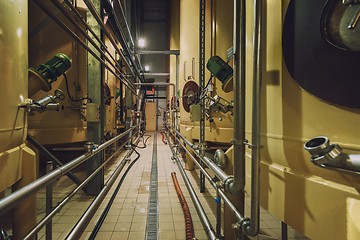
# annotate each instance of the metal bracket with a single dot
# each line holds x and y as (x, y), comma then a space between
(252, 146)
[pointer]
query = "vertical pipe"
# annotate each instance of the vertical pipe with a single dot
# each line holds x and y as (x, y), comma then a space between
(239, 96)
(239, 40)
(284, 231)
(49, 195)
(218, 213)
(95, 86)
(176, 91)
(256, 117)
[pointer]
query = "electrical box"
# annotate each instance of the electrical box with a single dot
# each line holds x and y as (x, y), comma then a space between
(92, 112)
(195, 112)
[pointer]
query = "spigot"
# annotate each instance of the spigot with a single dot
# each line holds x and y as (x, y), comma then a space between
(47, 103)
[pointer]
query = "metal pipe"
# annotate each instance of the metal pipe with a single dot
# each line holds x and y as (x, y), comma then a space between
(49, 203)
(238, 184)
(82, 31)
(61, 204)
(253, 228)
(51, 157)
(240, 219)
(81, 42)
(176, 90)
(202, 215)
(98, 19)
(10, 201)
(326, 155)
(163, 84)
(84, 220)
(218, 212)
(112, 14)
(225, 178)
(164, 52)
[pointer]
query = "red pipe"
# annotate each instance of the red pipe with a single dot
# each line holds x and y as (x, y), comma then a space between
(189, 227)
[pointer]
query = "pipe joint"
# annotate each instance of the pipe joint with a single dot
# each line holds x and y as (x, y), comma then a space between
(231, 186)
(326, 155)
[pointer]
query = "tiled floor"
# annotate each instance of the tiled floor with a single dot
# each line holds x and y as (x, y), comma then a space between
(127, 216)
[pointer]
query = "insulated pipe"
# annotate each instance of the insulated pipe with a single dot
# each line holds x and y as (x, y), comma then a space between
(10, 201)
(61, 204)
(253, 224)
(238, 184)
(200, 210)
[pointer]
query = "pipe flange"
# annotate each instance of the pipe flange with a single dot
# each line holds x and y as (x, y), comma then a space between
(334, 151)
(246, 225)
(89, 146)
(228, 182)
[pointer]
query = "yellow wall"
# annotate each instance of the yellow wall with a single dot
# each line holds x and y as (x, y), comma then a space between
(319, 203)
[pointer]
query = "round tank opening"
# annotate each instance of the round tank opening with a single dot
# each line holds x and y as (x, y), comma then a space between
(316, 142)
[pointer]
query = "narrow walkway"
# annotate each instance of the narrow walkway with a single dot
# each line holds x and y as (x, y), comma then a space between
(127, 218)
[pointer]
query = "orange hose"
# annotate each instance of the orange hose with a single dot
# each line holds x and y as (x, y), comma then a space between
(189, 227)
(163, 138)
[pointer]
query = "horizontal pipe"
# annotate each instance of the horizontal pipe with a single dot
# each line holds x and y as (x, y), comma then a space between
(84, 220)
(240, 219)
(51, 157)
(166, 52)
(10, 201)
(81, 42)
(223, 176)
(61, 204)
(156, 74)
(200, 210)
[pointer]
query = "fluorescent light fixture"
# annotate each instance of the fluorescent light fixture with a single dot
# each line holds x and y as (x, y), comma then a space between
(141, 43)
(147, 68)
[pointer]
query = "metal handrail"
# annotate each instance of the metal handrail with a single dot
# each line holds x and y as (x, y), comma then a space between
(227, 201)
(10, 201)
(225, 178)
(200, 210)
(63, 202)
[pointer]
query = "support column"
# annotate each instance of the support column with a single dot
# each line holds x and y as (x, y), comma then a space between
(95, 86)
(202, 85)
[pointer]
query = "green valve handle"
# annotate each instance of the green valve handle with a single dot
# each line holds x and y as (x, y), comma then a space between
(54, 67)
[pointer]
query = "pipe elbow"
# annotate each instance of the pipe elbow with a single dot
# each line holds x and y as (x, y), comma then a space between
(324, 154)
(232, 186)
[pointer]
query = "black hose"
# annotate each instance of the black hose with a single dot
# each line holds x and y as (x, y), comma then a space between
(144, 142)
(108, 206)
(68, 92)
